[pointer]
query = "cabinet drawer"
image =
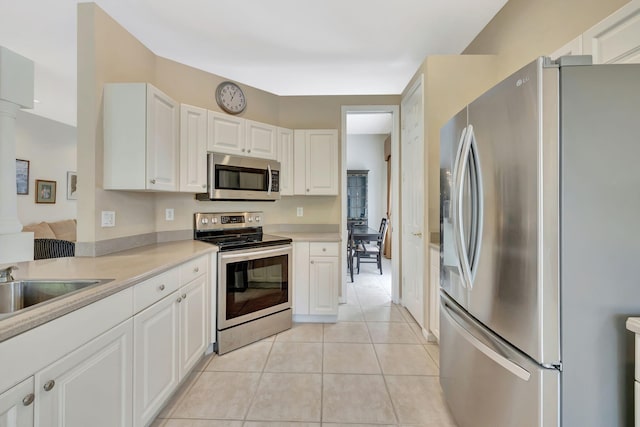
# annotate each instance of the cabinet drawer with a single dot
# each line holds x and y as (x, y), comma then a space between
(324, 249)
(154, 289)
(192, 269)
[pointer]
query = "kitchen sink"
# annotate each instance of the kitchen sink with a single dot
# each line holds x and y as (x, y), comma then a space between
(19, 295)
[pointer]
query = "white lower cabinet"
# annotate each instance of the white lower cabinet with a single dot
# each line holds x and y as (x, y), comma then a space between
(316, 281)
(155, 357)
(16, 405)
(434, 291)
(170, 337)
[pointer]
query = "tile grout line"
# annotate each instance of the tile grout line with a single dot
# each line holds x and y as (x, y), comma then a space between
(255, 393)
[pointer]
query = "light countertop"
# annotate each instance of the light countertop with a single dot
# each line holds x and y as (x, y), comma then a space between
(633, 324)
(126, 268)
(310, 236)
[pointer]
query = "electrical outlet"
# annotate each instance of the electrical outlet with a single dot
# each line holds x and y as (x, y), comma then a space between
(299, 211)
(108, 219)
(168, 214)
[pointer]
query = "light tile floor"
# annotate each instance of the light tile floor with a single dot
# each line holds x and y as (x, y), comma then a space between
(372, 368)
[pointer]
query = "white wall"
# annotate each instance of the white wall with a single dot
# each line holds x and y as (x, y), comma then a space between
(367, 152)
(50, 147)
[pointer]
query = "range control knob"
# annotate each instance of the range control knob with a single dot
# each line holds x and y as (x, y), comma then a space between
(204, 220)
(257, 218)
(250, 219)
(214, 220)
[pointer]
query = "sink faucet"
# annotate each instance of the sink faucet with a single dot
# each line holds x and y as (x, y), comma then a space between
(5, 273)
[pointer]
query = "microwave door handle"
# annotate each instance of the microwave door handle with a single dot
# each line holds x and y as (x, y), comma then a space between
(268, 179)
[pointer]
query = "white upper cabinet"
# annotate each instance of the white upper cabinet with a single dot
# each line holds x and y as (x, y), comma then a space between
(616, 39)
(140, 138)
(234, 135)
(226, 134)
(285, 157)
(261, 140)
(316, 162)
(193, 149)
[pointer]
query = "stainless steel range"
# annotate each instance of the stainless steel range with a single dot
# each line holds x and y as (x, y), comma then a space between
(254, 277)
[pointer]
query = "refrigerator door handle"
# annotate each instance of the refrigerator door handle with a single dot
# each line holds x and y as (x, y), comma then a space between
(455, 204)
(463, 256)
(500, 359)
(469, 258)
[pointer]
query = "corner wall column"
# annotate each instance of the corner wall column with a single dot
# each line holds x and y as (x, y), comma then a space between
(16, 91)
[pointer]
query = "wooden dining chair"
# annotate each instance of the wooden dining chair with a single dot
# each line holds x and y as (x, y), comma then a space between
(350, 252)
(372, 253)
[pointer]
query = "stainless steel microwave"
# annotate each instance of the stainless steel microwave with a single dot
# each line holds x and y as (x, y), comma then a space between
(241, 178)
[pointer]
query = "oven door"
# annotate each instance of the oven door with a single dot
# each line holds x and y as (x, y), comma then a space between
(253, 283)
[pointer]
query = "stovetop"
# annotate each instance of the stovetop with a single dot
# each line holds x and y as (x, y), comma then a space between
(234, 231)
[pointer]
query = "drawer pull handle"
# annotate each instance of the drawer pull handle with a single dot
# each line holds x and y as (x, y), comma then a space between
(49, 385)
(28, 399)
(179, 299)
(184, 296)
(195, 270)
(161, 287)
(324, 249)
(153, 181)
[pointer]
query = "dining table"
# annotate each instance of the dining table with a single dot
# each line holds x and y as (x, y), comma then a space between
(364, 233)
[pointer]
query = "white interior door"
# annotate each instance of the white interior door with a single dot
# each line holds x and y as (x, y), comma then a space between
(412, 181)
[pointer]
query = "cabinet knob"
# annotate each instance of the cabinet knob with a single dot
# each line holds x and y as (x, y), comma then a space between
(204, 185)
(249, 150)
(311, 262)
(28, 399)
(153, 181)
(307, 190)
(49, 385)
(161, 287)
(324, 249)
(195, 270)
(179, 299)
(243, 150)
(184, 296)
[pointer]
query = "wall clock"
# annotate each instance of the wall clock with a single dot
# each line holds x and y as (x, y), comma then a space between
(231, 98)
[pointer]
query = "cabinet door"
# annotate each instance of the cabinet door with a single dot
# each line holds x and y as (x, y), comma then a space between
(321, 162)
(434, 292)
(225, 134)
(16, 405)
(300, 162)
(285, 156)
(155, 354)
(615, 39)
(193, 149)
(162, 141)
(300, 288)
(91, 386)
(261, 140)
(193, 323)
(323, 285)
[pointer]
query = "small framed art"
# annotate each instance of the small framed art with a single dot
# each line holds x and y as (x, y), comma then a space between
(72, 186)
(45, 191)
(22, 176)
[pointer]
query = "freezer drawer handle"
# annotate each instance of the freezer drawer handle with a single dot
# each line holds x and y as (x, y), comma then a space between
(486, 350)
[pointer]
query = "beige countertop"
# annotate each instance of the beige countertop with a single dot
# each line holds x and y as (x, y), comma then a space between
(310, 236)
(126, 268)
(633, 324)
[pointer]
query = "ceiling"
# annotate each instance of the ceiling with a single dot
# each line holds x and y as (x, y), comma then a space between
(286, 47)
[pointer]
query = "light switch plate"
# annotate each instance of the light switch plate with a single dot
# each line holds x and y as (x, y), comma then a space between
(108, 219)
(299, 211)
(168, 214)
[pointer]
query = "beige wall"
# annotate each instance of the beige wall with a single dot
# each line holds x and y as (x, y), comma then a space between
(108, 53)
(525, 29)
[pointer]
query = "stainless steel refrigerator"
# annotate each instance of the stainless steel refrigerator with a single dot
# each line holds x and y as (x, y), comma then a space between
(540, 248)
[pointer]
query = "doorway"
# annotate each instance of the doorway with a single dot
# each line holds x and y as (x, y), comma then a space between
(392, 113)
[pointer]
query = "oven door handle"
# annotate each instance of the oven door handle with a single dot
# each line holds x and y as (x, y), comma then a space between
(255, 254)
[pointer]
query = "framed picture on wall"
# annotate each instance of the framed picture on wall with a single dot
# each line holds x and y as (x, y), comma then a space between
(22, 176)
(45, 191)
(72, 186)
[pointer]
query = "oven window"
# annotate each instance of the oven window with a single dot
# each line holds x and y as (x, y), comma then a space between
(256, 284)
(235, 178)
